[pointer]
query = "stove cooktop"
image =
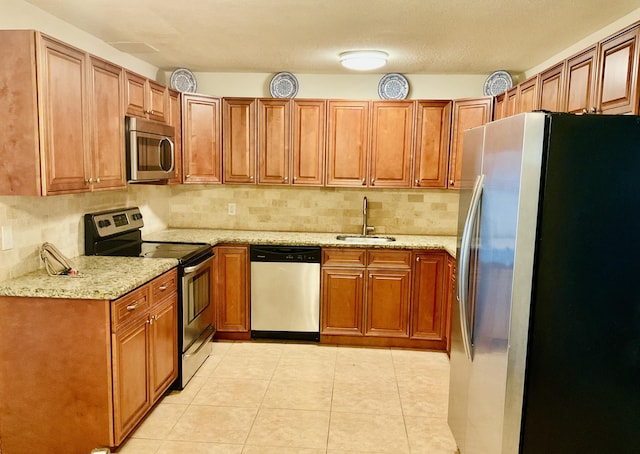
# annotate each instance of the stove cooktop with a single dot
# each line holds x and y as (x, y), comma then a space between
(181, 251)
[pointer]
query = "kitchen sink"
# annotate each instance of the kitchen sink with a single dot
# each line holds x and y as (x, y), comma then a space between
(369, 239)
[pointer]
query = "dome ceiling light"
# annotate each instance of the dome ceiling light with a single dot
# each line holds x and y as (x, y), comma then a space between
(363, 60)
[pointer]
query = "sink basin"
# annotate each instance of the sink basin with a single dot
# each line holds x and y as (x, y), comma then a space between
(369, 239)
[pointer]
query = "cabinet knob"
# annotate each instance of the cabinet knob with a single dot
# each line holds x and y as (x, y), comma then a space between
(594, 110)
(451, 182)
(364, 181)
(251, 177)
(295, 179)
(584, 111)
(188, 176)
(417, 182)
(417, 259)
(286, 179)
(89, 181)
(97, 180)
(373, 181)
(162, 288)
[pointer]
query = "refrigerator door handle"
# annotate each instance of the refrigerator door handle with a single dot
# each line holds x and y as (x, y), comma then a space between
(464, 262)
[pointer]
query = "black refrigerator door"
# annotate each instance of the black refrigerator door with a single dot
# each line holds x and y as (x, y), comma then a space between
(582, 386)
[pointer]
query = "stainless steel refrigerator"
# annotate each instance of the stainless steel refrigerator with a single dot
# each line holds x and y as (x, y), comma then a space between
(545, 354)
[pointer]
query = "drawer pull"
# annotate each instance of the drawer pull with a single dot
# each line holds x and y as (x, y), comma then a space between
(132, 307)
(163, 287)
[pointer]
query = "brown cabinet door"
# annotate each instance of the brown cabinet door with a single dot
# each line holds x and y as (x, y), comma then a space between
(391, 144)
(131, 393)
(164, 345)
(387, 306)
(308, 143)
(528, 95)
(106, 112)
(201, 141)
(580, 82)
(157, 101)
(618, 74)
(431, 154)
(64, 127)
(274, 141)
(467, 113)
(239, 140)
(233, 285)
(550, 89)
(348, 143)
(135, 95)
(511, 102)
(175, 120)
(342, 301)
(499, 106)
(429, 297)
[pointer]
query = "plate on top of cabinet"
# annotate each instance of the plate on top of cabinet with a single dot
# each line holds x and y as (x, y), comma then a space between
(283, 85)
(498, 82)
(183, 80)
(393, 86)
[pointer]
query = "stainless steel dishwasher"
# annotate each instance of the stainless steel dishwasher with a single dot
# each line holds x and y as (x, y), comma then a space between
(285, 292)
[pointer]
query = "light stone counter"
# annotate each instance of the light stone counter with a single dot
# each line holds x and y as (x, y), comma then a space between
(213, 237)
(104, 278)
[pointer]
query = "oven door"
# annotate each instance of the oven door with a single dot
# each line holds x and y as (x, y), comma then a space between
(197, 301)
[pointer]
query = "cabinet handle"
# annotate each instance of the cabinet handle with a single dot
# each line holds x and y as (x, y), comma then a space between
(364, 181)
(417, 259)
(594, 110)
(188, 176)
(286, 179)
(89, 181)
(251, 177)
(97, 180)
(373, 181)
(451, 182)
(295, 179)
(417, 182)
(584, 111)
(132, 307)
(162, 288)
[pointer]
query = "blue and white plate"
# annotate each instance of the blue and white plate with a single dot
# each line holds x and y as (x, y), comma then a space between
(183, 80)
(498, 82)
(283, 85)
(393, 86)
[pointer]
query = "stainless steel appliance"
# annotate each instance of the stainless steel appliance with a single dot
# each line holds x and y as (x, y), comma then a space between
(117, 233)
(150, 150)
(285, 292)
(545, 352)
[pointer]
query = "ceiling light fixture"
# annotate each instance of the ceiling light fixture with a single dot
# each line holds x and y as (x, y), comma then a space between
(363, 60)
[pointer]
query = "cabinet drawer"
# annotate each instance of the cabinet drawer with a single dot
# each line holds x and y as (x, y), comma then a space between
(388, 259)
(343, 257)
(130, 306)
(164, 286)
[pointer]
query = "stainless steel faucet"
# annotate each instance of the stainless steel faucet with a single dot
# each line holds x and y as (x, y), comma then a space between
(365, 228)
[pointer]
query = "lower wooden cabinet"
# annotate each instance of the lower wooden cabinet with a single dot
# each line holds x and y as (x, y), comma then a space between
(91, 369)
(383, 297)
(232, 309)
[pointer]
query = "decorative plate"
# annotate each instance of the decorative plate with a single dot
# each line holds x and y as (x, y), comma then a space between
(283, 85)
(183, 80)
(393, 86)
(498, 82)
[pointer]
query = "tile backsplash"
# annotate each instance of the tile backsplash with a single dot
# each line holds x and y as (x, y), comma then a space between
(58, 219)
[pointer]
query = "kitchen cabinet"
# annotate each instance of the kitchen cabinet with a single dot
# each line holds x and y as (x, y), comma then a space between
(91, 370)
(202, 147)
(146, 98)
(274, 141)
(430, 298)
(175, 120)
(239, 140)
(431, 153)
(308, 142)
(580, 82)
(467, 113)
(551, 88)
(232, 309)
(347, 143)
(528, 95)
(499, 106)
(617, 87)
(511, 102)
(63, 131)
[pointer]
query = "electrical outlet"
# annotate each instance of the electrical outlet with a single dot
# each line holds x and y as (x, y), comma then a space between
(231, 209)
(7, 237)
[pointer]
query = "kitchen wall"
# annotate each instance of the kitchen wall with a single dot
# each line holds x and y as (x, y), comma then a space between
(426, 212)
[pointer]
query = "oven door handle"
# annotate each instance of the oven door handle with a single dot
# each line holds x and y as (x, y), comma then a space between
(196, 268)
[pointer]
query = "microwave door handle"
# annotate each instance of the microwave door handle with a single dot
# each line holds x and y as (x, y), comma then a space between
(172, 155)
(464, 262)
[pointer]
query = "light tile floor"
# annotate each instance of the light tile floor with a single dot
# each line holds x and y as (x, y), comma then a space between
(281, 397)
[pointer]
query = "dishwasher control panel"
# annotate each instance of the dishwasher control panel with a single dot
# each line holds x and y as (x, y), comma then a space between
(299, 254)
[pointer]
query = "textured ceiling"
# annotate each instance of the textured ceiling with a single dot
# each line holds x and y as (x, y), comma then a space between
(306, 36)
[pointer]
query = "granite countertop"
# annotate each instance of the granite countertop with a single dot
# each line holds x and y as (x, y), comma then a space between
(213, 237)
(103, 278)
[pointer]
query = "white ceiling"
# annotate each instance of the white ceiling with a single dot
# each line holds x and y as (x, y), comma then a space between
(306, 36)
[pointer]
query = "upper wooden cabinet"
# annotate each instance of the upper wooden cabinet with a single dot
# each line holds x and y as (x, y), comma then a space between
(431, 152)
(175, 120)
(348, 143)
(499, 103)
(308, 142)
(274, 141)
(146, 98)
(62, 132)
(617, 91)
(467, 113)
(202, 148)
(551, 88)
(580, 82)
(528, 95)
(239, 140)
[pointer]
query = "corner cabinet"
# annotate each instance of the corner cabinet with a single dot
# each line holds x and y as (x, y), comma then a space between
(94, 369)
(62, 132)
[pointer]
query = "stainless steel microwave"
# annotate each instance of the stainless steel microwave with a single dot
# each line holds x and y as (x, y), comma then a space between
(150, 150)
